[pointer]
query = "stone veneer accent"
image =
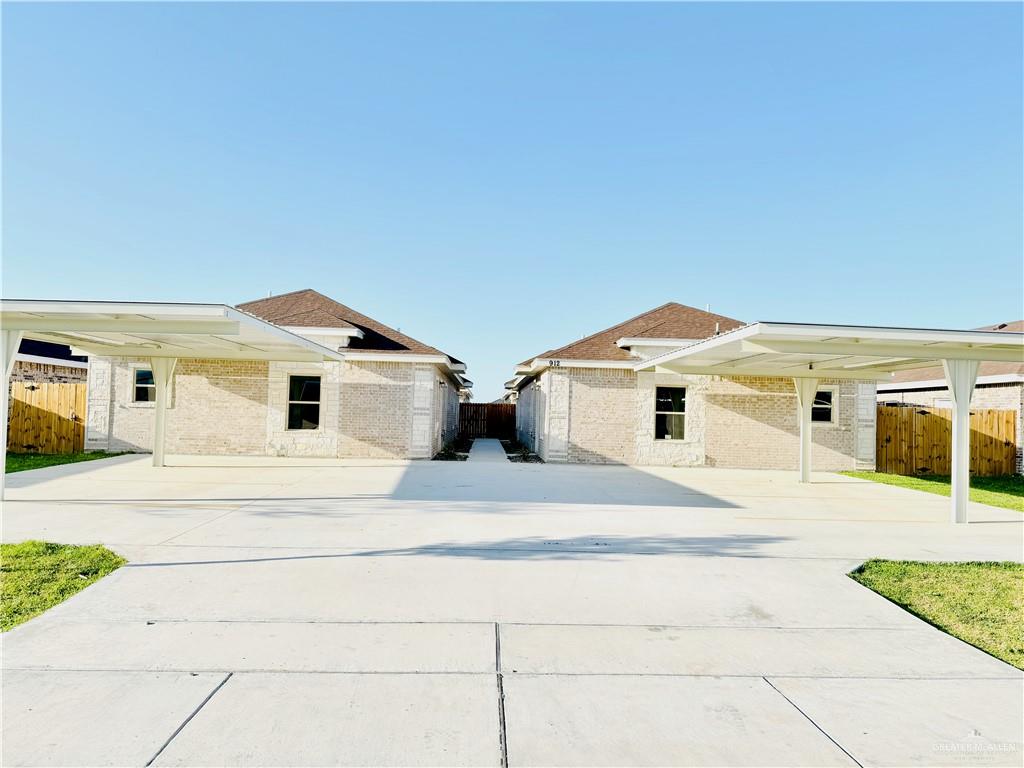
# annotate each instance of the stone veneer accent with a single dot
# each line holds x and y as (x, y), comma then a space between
(375, 409)
(595, 415)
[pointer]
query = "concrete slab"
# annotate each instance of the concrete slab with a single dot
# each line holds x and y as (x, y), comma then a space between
(639, 721)
(485, 450)
(612, 578)
(917, 722)
(196, 646)
(831, 652)
(451, 584)
(335, 720)
(95, 718)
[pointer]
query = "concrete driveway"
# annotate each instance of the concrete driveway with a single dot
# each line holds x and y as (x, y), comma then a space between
(281, 612)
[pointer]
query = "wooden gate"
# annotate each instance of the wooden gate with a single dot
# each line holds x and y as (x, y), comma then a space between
(488, 420)
(915, 440)
(46, 417)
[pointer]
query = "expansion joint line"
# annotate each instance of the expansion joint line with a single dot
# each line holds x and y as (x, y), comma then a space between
(188, 719)
(502, 734)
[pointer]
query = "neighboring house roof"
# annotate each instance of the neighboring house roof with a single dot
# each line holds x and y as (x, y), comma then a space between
(309, 309)
(984, 369)
(49, 349)
(669, 321)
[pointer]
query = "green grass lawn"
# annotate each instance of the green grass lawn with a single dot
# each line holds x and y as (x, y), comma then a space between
(980, 603)
(36, 575)
(19, 462)
(1006, 491)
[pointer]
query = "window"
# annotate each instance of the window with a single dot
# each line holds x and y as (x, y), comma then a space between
(669, 413)
(821, 409)
(303, 402)
(145, 387)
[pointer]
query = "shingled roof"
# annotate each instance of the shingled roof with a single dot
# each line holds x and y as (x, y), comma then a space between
(669, 321)
(309, 309)
(984, 368)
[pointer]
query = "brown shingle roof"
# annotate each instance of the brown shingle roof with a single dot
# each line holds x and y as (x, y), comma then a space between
(984, 369)
(669, 321)
(314, 310)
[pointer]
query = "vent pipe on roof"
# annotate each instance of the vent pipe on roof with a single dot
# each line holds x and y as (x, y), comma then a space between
(718, 328)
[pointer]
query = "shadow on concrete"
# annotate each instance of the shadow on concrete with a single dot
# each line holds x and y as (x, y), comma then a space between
(540, 548)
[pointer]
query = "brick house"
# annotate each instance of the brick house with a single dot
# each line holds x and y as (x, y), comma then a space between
(390, 396)
(584, 402)
(1000, 385)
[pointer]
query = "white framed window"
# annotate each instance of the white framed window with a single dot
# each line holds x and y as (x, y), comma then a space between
(669, 413)
(143, 386)
(303, 402)
(823, 409)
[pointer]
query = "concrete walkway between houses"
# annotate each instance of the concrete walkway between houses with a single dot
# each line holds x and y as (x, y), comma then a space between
(486, 449)
(319, 613)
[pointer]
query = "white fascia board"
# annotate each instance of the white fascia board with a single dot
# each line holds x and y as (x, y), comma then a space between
(391, 357)
(1005, 378)
(783, 338)
(303, 330)
(871, 332)
(637, 341)
(50, 361)
(52, 307)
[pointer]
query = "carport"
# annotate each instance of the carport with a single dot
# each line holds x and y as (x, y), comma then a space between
(810, 352)
(161, 332)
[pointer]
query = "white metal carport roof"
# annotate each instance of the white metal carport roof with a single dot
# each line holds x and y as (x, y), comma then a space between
(834, 351)
(161, 332)
(809, 352)
(152, 329)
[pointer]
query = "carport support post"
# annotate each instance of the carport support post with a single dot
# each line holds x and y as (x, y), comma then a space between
(9, 343)
(960, 378)
(805, 391)
(163, 372)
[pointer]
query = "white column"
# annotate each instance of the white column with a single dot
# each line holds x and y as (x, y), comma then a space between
(9, 343)
(805, 391)
(960, 378)
(163, 373)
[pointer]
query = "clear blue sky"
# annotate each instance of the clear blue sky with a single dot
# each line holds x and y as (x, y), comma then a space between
(500, 179)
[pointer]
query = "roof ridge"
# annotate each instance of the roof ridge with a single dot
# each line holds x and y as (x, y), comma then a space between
(610, 328)
(282, 295)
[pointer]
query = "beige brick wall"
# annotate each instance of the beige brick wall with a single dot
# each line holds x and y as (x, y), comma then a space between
(602, 415)
(752, 423)
(239, 408)
(376, 409)
(219, 407)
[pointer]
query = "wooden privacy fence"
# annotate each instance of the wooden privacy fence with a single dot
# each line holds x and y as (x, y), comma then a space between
(918, 440)
(46, 417)
(488, 420)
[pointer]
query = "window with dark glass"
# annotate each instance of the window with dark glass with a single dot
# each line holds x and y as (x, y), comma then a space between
(303, 402)
(669, 413)
(145, 387)
(821, 410)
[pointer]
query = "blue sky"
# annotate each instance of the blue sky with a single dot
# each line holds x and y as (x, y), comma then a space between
(501, 179)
